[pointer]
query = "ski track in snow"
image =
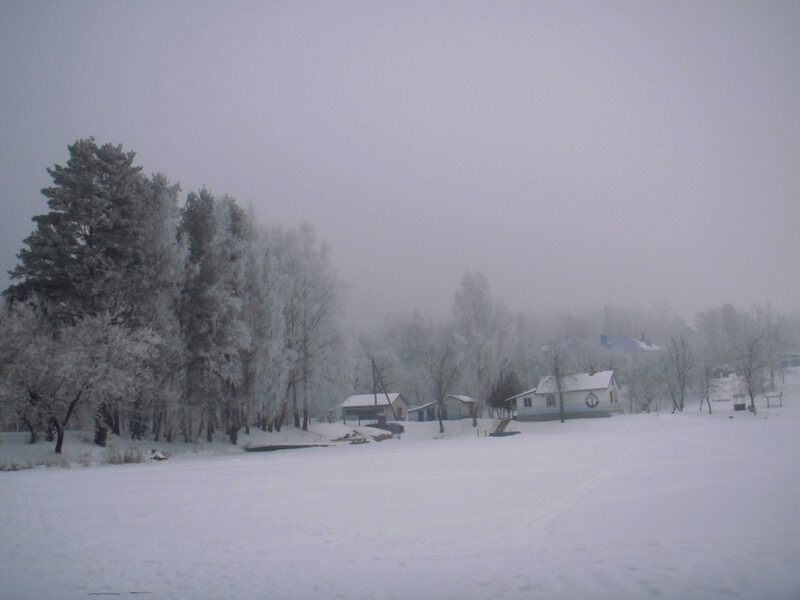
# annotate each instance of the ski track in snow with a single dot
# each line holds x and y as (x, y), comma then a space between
(641, 506)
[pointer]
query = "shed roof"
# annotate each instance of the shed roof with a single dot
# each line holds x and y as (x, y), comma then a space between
(363, 400)
(576, 383)
(464, 399)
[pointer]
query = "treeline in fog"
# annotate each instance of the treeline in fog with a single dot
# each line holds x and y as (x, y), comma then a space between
(135, 313)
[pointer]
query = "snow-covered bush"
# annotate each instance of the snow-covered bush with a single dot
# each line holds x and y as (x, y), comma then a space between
(117, 456)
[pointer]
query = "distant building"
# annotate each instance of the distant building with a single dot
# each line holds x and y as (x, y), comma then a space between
(585, 395)
(628, 344)
(369, 407)
(455, 407)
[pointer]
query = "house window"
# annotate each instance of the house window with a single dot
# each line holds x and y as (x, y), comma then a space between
(527, 403)
(551, 400)
(611, 397)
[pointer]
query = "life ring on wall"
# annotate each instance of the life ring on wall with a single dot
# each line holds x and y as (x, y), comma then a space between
(592, 400)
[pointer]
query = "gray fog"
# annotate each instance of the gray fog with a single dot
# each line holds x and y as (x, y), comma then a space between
(578, 154)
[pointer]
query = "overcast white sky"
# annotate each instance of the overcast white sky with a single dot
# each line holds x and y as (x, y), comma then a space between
(579, 154)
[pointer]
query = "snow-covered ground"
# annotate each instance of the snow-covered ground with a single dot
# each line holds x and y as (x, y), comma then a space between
(635, 506)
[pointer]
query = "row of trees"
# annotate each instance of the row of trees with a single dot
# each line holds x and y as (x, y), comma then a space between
(486, 351)
(138, 313)
(165, 320)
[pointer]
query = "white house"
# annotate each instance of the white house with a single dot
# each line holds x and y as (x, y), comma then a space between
(585, 395)
(523, 399)
(455, 407)
(369, 407)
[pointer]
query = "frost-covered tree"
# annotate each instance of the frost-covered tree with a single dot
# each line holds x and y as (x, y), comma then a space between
(558, 364)
(49, 373)
(644, 380)
(480, 328)
(312, 305)
(261, 311)
(442, 369)
(217, 337)
(406, 340)
(754, 340)
(107, 245)
(679, 365)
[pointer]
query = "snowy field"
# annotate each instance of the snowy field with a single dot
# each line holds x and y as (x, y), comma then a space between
(635, 506)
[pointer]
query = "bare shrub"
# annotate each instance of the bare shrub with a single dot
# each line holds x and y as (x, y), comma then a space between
(118, 456)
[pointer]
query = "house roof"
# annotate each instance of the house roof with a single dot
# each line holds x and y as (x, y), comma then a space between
(464, 399)
(363, 400)
(521, 394)
(576, 383)
(629, 344)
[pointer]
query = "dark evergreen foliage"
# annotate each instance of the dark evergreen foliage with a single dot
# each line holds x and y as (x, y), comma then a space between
(507, 386)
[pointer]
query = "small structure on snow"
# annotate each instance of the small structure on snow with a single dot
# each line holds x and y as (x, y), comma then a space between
(374, 407)
(455, 408)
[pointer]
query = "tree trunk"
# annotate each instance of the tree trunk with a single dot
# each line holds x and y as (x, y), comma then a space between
(295, 409)
(102, 421)
(441, 424)
(59, 435)
(100, 432)
(32, 429)
(137, 426)
(305, 405)
(281, 418)
(157, 420)
(187, 425)
(200, 427)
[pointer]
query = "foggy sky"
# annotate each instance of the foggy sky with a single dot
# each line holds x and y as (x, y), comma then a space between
(578, 154)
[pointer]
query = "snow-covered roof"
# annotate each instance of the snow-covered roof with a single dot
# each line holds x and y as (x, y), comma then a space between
(360, 400)
(648, 347)
(629, 344)
(576, 383)
(521, 394)
(464, 399)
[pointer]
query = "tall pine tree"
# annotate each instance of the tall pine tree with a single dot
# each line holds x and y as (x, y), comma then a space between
(83, 247)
